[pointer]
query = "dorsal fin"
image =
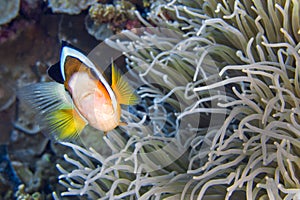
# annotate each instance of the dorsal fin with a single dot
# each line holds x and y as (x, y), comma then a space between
(124, 93)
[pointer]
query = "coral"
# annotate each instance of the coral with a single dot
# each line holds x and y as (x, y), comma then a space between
(70, 7)
(33, 181)
(22, 195)
(30, 11)
(105, 19)
(99, 31)
(9, 10)
(116, 14)
(218, 117)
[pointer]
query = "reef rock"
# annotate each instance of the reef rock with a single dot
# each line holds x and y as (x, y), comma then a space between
(70, 7)
(9, 9)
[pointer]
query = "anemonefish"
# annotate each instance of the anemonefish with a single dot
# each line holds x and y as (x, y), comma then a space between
(80, 96)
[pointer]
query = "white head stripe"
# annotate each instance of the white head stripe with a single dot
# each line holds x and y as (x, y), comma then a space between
(68, 51)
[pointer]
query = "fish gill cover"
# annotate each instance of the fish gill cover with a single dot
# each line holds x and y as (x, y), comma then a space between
(219, 110)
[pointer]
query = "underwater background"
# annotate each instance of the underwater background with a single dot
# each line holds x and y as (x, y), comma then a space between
(218, 116)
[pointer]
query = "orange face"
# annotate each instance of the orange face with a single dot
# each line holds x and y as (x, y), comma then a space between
(93, 101)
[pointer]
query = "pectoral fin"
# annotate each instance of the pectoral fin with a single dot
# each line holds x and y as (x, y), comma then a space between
(123, 91)
(57, 115)
(65, 124)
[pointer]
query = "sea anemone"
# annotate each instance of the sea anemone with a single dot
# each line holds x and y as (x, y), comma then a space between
(219, 88)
